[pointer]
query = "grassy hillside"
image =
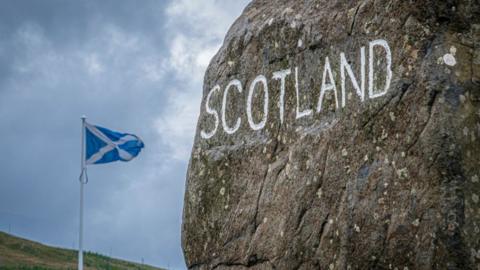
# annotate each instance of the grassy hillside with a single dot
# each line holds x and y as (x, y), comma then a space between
(18, 253)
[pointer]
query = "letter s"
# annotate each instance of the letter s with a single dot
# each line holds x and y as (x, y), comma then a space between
(211, 111)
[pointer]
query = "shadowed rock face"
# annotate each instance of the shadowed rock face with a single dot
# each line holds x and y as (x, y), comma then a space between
(390, 182)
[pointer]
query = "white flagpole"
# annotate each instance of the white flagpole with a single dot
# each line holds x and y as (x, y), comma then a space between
(82, 183)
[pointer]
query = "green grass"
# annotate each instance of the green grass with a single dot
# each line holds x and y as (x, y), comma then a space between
(22, 254)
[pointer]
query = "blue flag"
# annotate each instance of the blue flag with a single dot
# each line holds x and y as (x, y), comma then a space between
(104, 145)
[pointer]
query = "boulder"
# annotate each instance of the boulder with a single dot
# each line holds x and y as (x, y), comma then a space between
(339, 135)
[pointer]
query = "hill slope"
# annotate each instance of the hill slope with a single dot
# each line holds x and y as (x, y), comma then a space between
(18, 253)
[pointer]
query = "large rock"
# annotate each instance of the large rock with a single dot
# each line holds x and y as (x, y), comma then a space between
(390, 182)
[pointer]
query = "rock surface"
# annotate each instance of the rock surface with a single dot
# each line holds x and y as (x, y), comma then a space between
(392, 182)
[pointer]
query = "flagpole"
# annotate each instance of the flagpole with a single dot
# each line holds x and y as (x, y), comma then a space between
(82, 183)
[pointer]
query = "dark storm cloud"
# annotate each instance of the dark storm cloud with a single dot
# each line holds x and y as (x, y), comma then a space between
(69, 24)
(70, 21)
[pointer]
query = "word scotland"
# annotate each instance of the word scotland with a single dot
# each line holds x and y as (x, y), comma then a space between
(230, 126)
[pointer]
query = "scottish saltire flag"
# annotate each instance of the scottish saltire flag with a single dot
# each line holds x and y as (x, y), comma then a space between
(104, 145)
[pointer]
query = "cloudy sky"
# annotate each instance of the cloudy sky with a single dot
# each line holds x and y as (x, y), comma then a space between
(133, 66)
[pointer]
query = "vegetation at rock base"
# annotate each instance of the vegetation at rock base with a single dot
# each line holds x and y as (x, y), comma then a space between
(17, 253)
